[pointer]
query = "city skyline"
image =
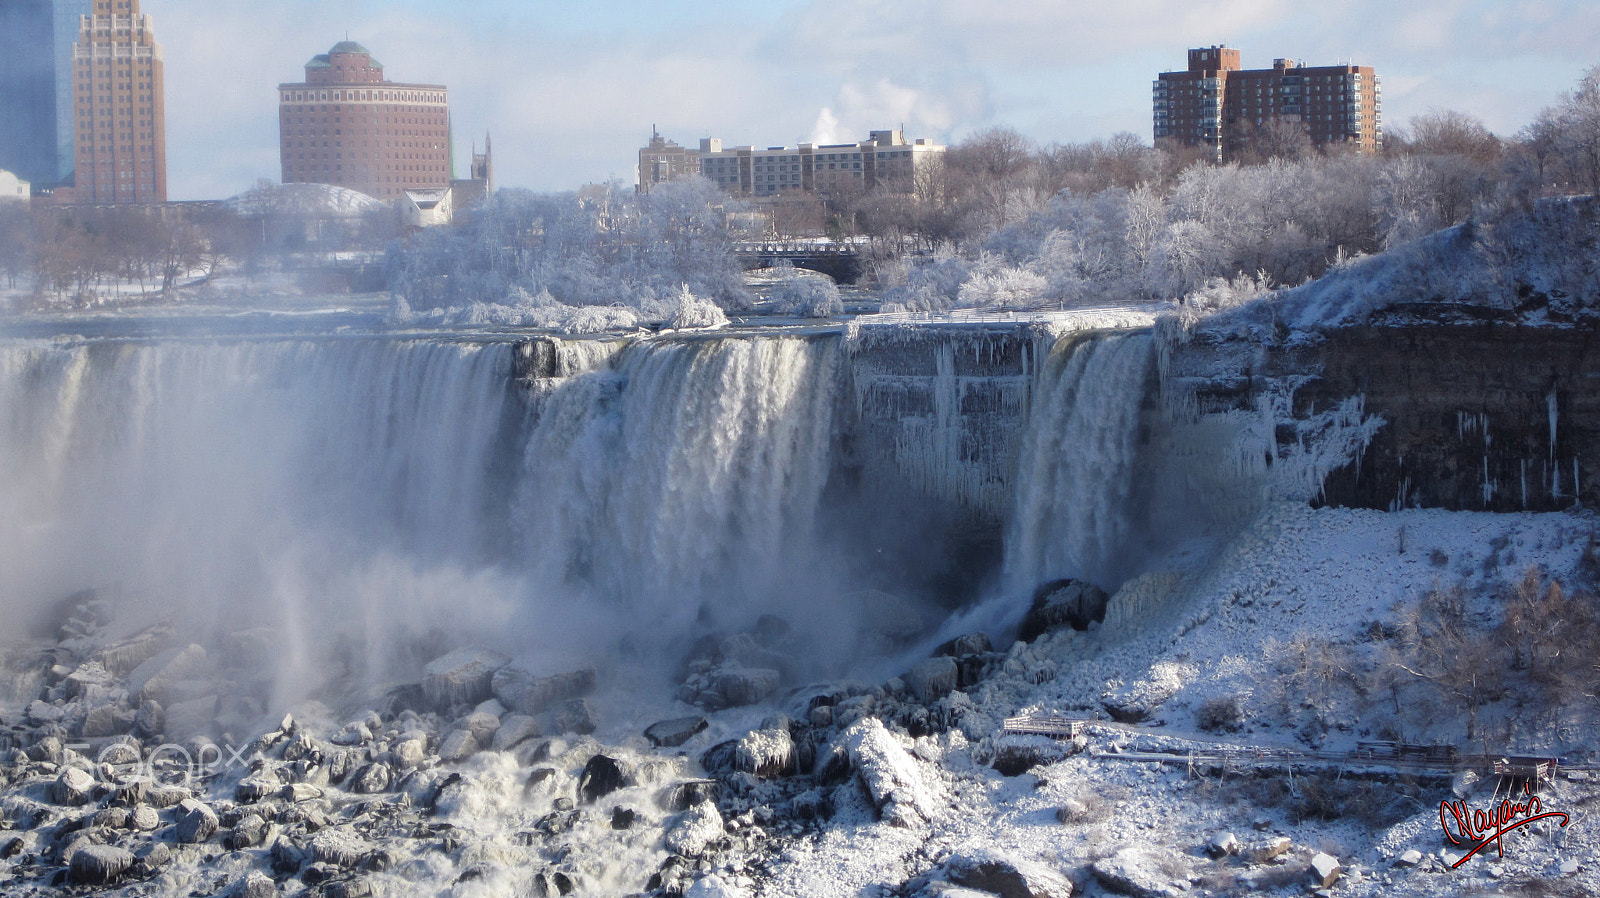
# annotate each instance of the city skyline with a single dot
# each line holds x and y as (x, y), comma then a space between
(570, 94)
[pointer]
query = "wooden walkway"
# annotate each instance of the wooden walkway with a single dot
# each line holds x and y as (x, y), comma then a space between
(1210, 750)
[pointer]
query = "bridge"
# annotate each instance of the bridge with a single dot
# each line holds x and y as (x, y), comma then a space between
(840, 261)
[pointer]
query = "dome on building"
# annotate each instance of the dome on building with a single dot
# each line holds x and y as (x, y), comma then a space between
(311, 200)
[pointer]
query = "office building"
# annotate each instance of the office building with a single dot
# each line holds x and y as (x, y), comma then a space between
(348, 126)
(885, 160)
(120, 140)
(1219, 106)
(36, 87)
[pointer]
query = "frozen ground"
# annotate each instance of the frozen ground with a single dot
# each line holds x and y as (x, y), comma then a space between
(1219, 628)
(902, 815)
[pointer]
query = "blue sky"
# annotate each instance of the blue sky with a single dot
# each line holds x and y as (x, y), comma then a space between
(570, 91)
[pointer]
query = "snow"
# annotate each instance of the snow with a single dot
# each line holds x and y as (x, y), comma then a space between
(1218, 632)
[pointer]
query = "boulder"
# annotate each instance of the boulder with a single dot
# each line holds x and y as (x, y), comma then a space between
(1325, 870)
(524, 692)
(155, 677)
(255, 787)
(1222, 845)
(514, 730)
(196, 822)
(254, 885)
(970, 644)
(457, 745)
(891, 776)
(685, 795)
(765, 753)
(42, 713)
(462, 677)
(601, 777)
(295, 793)
(286, 856)
(732, 686)
(409, 753)
(575, 716)
(150, 858)
(72, 787)
(100, 865)
(338, 848)
(1142, 872)
(1063, 603)
(1411, 857)
(673, 733)
(695, 830)
(992, 873)
(1016, 754)
(109, 719)
(144, 818)
(188, 717)
(248, 832)
(483, 726)
(1270, 849)
(371, 779)
(933, 678)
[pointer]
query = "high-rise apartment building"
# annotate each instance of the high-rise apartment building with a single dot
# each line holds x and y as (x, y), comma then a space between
(120, 141)
(346, 125)
(1222, 107)
(36, 87)
(884, 160)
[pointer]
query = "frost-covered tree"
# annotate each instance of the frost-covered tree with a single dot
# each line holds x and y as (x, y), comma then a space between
(603, 247)
(807, 296)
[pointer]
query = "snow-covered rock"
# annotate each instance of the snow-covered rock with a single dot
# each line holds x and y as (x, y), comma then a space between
(994, 873)
(890, 774)
(675, 732)
(1144, 871)
(461, 677)
(694, 830)
(100, 865)
(765, 753)
(520, 690)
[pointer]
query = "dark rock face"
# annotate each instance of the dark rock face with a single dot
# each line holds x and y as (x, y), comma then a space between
(100, 865)
(601, 777)
(971, 644)
(1062, 603)
(689, 793)
(673, 733)
(1489, 417)
(575, 716)
(196, 822)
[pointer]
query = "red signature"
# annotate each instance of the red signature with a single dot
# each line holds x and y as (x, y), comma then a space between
(1481, 828)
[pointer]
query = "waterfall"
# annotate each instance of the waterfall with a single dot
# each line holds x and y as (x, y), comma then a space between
(685, 475)
(1077, 494)
(356, 494)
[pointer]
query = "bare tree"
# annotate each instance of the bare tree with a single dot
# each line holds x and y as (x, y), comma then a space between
(1447, 132)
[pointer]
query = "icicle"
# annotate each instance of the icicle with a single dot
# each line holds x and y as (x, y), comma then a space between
(1551, 406)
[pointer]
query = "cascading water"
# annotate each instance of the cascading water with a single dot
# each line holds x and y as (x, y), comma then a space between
(300, 485)
(366, 491)
(1077, 489)
(684, 477)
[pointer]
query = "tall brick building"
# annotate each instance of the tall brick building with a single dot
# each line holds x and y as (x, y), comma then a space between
(1218, 105)
(346, 125)
(120, 141)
